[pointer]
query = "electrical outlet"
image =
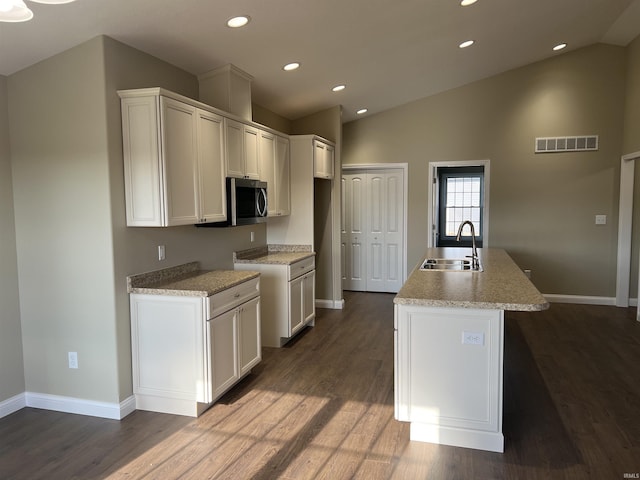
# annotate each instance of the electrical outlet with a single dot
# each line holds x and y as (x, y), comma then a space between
(160, 252)
(527, 272)
(73, 359)
(601, 219)
(253, 237)
(472, 338)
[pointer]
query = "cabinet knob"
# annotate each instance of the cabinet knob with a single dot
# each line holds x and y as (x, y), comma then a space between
(237, 295)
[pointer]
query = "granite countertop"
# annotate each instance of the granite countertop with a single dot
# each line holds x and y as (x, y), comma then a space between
(187, 280)
(274, 254)
(501, 286)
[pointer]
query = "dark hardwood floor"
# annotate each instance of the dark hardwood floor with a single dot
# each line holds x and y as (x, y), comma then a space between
(322, 408)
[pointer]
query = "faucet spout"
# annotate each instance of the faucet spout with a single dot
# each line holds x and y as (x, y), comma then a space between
(475, 263)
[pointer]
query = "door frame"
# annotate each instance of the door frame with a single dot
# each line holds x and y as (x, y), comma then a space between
(432, 211)
(625, 221)
(368, 167)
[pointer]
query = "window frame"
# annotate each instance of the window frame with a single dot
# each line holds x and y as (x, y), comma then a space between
(433, 200)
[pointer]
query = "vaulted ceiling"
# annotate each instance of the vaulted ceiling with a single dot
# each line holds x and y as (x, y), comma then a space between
(386, 52)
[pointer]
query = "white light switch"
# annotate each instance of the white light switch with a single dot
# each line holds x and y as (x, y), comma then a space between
(601, 219)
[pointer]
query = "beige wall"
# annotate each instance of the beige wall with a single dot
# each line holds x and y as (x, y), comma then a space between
(11, 364)
(542, 206)
(74, 250)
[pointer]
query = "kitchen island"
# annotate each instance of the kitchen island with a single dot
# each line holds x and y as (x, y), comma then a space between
(449, 342)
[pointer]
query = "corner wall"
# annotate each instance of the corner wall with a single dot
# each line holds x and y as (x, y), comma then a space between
(11, 362)
(327, 197)
(542, 206)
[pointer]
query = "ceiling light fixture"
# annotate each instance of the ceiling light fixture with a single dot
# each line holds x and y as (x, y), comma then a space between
(291, 66)
(466, 44)
(237, 22)
(17, 11)
(338, 88)
(466, 3)
(560, 46)
(361, 111)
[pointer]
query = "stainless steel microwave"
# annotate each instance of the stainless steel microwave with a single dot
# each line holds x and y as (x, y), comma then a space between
(246, 203)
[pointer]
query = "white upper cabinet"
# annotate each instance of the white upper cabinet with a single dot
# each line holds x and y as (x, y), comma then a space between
(242, 149)
(212, 186)
(323, 156)
(274, 169)
(174, 174)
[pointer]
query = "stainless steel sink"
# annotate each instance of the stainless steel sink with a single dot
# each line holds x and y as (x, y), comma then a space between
(449, 264)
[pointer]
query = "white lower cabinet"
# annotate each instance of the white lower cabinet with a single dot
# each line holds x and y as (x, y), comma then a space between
(448, 375)
(291, 293)
(188, 351)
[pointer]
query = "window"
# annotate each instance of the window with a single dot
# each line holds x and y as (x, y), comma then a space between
(460, 198)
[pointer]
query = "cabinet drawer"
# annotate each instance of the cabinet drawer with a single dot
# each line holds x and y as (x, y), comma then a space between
(232, 297)
(301, 267)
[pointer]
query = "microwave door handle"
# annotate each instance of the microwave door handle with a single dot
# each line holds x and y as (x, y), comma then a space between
(262, 194)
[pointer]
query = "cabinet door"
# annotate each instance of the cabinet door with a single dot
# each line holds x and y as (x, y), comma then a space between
(179, 155)
(249, 327)
(322, 160)
(296, 318)
(268, 171)
(309, 297)
(234, 158)
(212, 183)
(250, 135)
(282, 176)
(223, 355)
(142, 175)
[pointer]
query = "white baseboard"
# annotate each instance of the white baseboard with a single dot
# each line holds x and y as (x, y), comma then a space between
(13, 404)
(335, 305)
(114, 411)
(580, 299)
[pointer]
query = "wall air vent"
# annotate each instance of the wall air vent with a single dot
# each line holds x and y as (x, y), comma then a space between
(566, 144)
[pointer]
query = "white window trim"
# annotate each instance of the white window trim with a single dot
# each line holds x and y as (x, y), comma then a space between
(432, 209)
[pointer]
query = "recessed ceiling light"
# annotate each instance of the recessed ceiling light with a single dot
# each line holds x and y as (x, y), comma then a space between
(560, 46)
(466, 44)
(337, 88)
(239, 21)
(361, 111)
(291, 66)
(466, 3)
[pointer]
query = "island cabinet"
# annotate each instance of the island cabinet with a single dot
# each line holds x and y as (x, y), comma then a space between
(187, 351)
(274, 169)
(290, 288)
(173, 161)
(449, 341)
(448, 375)
(242, 142)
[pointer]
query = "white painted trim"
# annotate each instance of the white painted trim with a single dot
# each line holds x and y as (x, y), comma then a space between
(337, 305)
(457, 437)
(405, 200)
(625, 221)
(431, 209)
(114, 411)
(12, 405)
(579, 299)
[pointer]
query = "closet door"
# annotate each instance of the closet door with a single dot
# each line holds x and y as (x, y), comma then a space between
(353, 232)
(373, 230)
(384, 235)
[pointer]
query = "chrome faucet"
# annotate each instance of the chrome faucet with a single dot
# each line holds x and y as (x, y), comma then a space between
(475, 263)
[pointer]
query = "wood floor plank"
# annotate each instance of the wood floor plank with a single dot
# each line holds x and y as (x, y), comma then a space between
(322, 407)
